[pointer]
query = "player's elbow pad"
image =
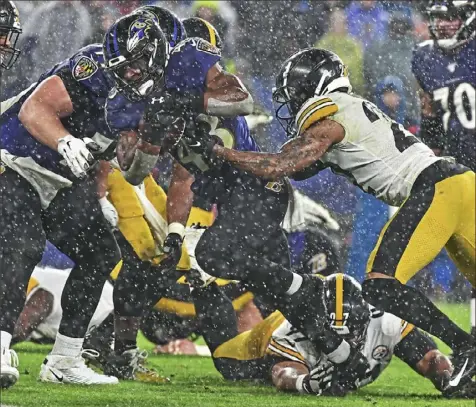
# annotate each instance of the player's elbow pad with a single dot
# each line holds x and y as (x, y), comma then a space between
(142, 165)
(432, 132)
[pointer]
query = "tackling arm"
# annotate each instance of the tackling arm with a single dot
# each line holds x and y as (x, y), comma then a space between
(431, 126)
(294, 156)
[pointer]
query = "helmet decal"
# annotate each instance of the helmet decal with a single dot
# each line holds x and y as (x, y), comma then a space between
(138, 31)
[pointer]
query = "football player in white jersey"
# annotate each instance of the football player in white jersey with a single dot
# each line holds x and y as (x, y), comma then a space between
(332, 128)
(41, 315)
(276, 351)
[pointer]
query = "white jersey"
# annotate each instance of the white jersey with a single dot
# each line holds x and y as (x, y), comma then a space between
(53, 281)
(377, 154)
(385, 331)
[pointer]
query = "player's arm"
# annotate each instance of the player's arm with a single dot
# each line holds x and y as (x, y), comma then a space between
(420, 352)
(431, 125)
(43, 110)
(294, 156)
(41, 115)
(225, 94)
(136, 157)
(179, 196)
(35, 311)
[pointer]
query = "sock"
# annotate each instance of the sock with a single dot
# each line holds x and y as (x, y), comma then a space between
(66, 346)
(125, 329)
(412, 306)
(5, 339)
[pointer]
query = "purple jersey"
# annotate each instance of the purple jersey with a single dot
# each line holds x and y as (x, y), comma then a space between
(87, 85)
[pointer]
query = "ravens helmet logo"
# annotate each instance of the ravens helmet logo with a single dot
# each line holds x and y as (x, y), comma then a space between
(138, 31)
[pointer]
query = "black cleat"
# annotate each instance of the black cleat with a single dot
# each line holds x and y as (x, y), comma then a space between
(464, 362)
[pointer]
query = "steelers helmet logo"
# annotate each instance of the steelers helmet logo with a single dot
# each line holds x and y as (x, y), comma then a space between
(380, 352)
(84, 68)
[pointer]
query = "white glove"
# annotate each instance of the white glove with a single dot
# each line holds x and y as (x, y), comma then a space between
(317, 381)
(77, 156)
(109, 212)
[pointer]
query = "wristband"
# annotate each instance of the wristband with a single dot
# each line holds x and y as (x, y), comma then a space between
(178, 228)
(299, 383)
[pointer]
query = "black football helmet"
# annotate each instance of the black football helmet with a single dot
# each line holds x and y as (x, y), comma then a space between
(168, 22)
(452, 22)
(310, 72)
(198, 27)
(10, 30)
(136, 53)
(347, 312)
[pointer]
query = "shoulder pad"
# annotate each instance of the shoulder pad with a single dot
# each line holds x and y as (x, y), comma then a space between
(315, 109)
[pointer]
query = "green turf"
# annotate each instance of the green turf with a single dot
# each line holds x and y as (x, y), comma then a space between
(196, 383)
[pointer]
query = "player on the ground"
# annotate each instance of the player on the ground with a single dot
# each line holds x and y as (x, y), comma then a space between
(49, 190)
(445, 69)
(275, 351)
(331, 127)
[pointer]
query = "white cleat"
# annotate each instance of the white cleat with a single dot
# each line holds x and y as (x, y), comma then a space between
(8, 368)
(64, 369)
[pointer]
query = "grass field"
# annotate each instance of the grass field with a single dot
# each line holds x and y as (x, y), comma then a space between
(196, 383)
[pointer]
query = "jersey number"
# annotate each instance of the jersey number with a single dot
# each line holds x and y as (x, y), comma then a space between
(403, 138)
(464, 103)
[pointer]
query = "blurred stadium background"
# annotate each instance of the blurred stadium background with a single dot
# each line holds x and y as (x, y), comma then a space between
(375, 38)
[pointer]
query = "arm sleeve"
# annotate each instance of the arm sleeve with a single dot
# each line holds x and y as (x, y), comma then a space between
(414, 346)
(79, 94)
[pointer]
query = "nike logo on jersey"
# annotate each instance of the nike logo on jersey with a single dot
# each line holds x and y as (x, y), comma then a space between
(59, 378)
(454, 382)
(196, 144)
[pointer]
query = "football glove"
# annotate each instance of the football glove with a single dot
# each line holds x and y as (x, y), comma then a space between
(173, 249)
(319, 379)
(77, 155)
(352, 370)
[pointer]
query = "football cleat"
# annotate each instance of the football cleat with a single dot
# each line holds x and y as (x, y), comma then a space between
(8, 368)
(464, 362)
(130, 366)
(71, 370)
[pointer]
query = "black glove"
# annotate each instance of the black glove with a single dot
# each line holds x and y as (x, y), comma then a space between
(173, 249)
(198, 139)
(355, 368)
(319, 379)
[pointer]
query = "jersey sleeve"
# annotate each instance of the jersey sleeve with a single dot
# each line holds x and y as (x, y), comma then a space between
(189, 64)
(282, 343)
(315, 109)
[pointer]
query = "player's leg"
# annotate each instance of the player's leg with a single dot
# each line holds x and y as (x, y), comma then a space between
(424, 224)
(473, 313)
(243, 242)
(22, 241)
(75, 224)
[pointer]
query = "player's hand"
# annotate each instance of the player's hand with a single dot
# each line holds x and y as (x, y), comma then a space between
(198, 139)
(109, 212)
(353, 370)
(319, 379)
(76, 154)
(173, 249)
